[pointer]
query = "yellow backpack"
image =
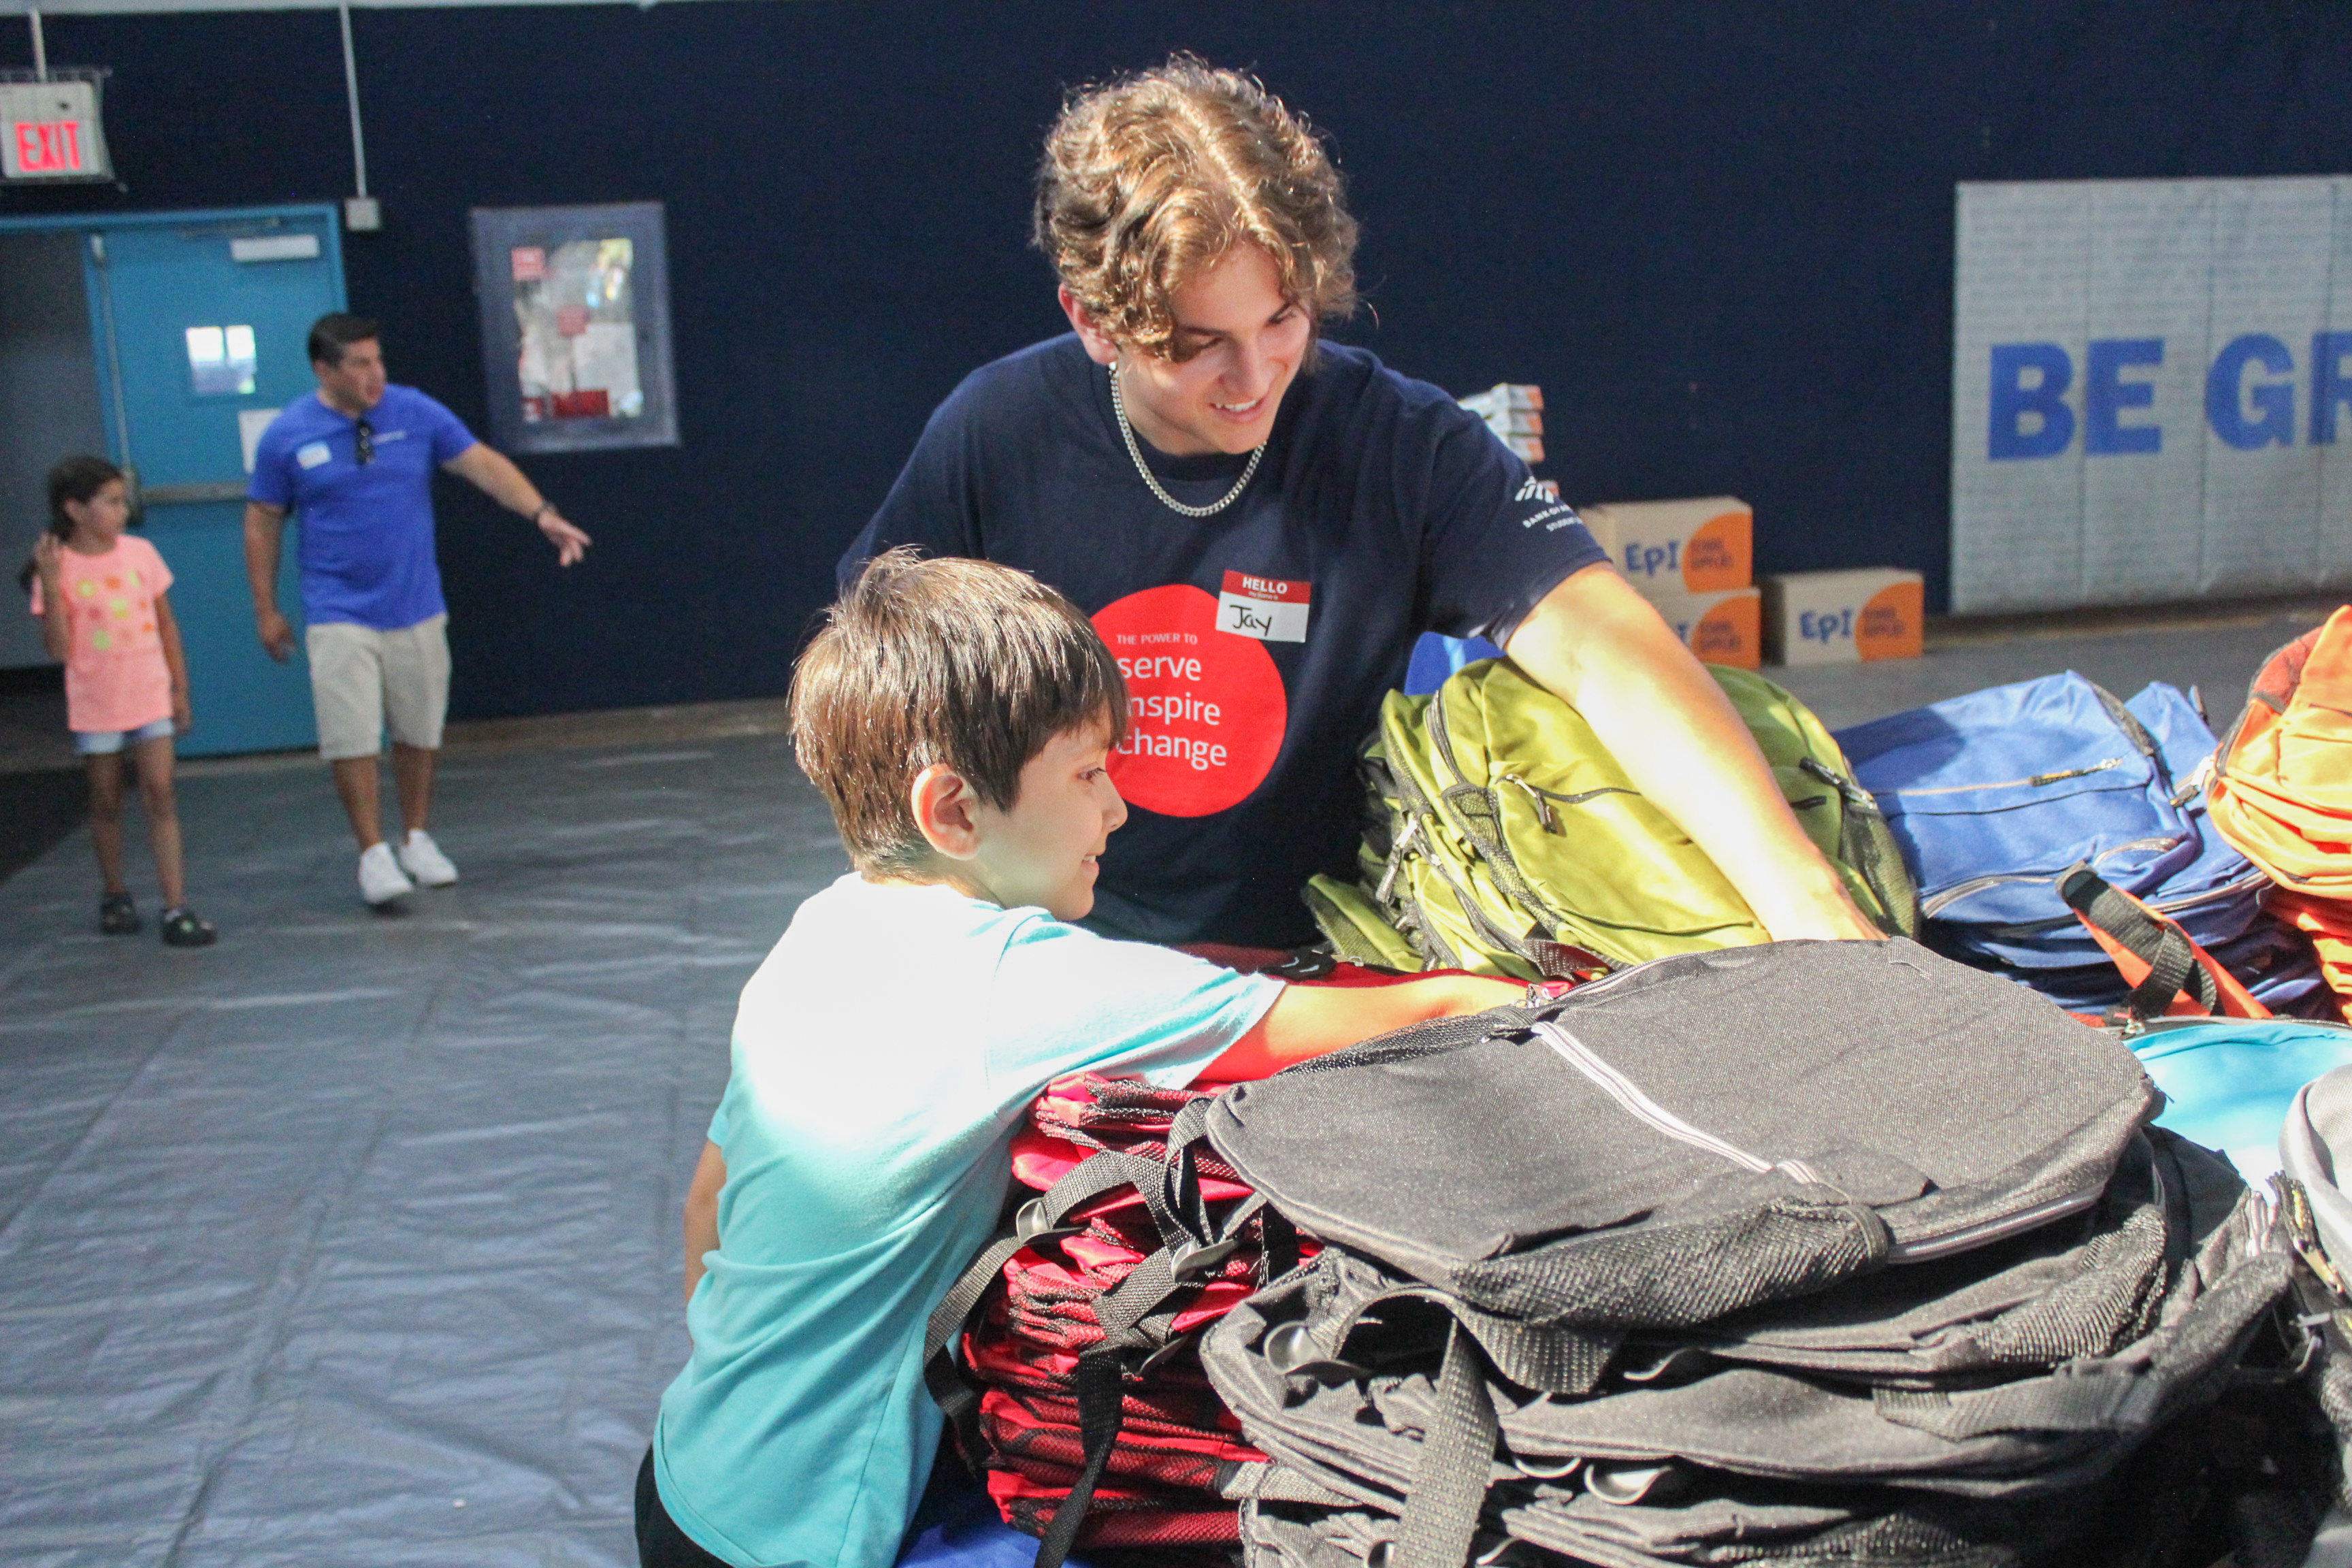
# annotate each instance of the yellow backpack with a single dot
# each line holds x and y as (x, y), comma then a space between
(1502, 837)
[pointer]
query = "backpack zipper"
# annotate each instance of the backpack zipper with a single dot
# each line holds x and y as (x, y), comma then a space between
(1925, 1249)
(1930, 907)
(2034, 780)
(1628, 1094)
(1976, 885)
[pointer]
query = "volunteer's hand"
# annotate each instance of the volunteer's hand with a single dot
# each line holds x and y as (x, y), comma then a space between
(276, 635)
(1825, 919)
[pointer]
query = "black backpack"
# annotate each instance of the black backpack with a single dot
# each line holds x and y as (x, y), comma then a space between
(1807, 1252)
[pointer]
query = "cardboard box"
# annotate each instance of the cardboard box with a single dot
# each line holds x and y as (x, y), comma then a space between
(1841, 617)
(1674, 547)
(1503, 397)
(1721, 628)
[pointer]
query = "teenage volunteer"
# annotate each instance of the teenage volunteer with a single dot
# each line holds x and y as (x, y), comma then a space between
(356, 462)
(1260, 524)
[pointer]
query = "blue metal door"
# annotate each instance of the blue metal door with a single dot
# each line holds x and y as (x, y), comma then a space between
(201, 321)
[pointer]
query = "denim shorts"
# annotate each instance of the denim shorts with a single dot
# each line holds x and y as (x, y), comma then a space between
(106, 743)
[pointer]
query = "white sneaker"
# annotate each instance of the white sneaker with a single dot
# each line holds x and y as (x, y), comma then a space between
(422, 859)
(381, 878)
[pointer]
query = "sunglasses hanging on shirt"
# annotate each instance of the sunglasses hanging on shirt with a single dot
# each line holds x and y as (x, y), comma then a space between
(363, 442)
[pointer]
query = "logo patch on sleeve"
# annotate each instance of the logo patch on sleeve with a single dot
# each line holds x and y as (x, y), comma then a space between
(1270, 609)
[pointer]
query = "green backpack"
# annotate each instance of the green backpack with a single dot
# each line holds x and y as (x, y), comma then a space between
(1503, 838)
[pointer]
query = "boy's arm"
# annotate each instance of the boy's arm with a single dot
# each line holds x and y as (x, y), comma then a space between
(702, 1213)
(1312, 1020)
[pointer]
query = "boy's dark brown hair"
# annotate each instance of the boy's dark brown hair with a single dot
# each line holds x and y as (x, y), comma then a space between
(962, 662)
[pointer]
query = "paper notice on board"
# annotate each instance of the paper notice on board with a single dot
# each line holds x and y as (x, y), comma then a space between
(250, 424)
(576, 311)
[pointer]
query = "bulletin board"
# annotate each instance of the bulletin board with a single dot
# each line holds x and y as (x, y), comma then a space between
(575, 326)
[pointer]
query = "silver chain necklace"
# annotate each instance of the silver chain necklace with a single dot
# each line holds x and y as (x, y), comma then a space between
(1127, 434)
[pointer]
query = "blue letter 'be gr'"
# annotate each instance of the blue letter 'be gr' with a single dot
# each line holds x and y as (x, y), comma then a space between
(2227, 395)
(2014, 401)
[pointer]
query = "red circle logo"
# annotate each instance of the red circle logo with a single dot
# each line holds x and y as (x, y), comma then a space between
(1205, 709)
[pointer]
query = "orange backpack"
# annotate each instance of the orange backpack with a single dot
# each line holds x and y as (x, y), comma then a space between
(2281, 789)
(2283, 777)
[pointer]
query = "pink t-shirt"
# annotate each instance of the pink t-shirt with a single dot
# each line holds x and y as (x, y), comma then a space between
(115, 675)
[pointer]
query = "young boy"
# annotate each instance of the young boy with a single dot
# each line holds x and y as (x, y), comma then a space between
(957, 715)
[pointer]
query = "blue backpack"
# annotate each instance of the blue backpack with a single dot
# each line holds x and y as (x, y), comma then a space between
(1996, 795)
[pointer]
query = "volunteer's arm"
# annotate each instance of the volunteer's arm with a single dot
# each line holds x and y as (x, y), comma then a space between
(175, 661)
(1313, 1020)
(1597, 644)
(265, 529)
(493, 473)
(702, 1213)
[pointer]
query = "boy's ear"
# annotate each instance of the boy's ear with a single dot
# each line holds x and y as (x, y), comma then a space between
(944, 807)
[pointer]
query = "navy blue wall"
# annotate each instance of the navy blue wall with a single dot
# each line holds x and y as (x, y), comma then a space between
(1720, 236)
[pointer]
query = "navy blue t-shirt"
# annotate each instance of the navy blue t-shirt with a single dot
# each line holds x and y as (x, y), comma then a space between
(367, 528)
(1257, 643)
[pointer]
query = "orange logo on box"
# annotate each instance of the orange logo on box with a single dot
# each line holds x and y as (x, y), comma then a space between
(1731, 633)
(1892, 623)
(1719, 553)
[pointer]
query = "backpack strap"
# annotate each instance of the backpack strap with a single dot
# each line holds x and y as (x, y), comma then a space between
(1038, 1219)
(1457, 1456)
(1139, 1315)
(2155, 955)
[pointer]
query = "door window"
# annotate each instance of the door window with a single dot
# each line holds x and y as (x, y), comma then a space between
(222, 362)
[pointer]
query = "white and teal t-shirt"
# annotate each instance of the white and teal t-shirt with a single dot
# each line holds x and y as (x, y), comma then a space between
(883, 1056)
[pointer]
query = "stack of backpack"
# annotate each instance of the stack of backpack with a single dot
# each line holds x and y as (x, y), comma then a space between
(2282, 790)
(1682, 1267)
(1688, 1267)
(1997, 797)
(1502, 836)
(1011, 1347)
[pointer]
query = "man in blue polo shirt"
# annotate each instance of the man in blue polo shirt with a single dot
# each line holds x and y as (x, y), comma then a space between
(356, 462)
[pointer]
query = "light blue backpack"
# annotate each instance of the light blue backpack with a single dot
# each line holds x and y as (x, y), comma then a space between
(2229, 1082)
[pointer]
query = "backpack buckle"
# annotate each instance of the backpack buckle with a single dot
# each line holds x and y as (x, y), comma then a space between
(1032, 1225)
(1197, 1260)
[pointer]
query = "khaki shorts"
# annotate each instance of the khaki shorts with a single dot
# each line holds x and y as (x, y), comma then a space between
(364, 681)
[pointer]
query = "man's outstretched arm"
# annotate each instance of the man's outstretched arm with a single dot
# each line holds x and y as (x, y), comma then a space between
(1598, 645)
(493, 473)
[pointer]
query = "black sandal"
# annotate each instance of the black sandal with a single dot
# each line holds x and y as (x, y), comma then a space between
(183, 927)
(117, 915)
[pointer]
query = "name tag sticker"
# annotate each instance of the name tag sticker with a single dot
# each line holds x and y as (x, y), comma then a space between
(1270, 609)
(311, 456)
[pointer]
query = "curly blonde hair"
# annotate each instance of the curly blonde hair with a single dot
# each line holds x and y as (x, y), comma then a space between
(1150, 180)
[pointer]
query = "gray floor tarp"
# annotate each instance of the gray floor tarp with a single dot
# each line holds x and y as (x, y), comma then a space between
(353, 1239)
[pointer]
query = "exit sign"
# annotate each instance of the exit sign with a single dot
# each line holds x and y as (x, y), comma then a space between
(51, 130)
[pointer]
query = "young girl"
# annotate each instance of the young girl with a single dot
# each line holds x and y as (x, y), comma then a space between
(106, 618)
